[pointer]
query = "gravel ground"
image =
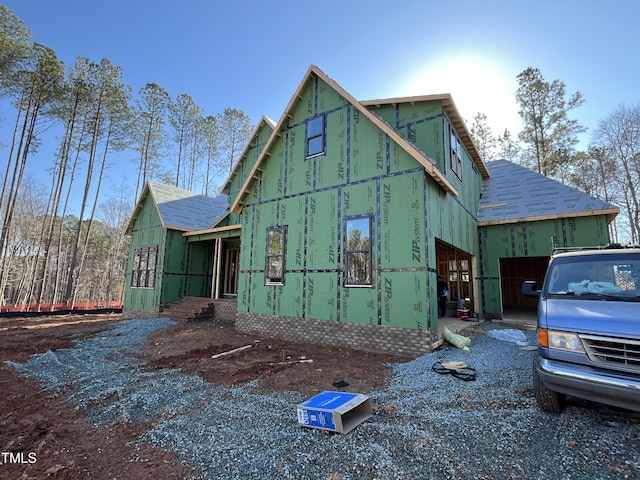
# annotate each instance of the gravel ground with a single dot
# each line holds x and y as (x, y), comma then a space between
(424, 425)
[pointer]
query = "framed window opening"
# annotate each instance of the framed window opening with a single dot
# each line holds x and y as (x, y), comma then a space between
(274, 258)
(315, 138)
(357, 248)
(144, 267)
(456, 153)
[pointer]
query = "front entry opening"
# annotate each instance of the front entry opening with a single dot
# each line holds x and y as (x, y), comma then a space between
(455, 266)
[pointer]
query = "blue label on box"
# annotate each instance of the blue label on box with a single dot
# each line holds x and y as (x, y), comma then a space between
(315, 418)
(329, 400)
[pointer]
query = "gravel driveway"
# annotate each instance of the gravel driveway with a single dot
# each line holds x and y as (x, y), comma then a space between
(424, 425)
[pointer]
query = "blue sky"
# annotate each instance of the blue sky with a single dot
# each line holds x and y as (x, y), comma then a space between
(251, 55)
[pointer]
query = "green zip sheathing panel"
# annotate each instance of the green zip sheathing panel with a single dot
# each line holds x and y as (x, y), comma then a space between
(450, 221)
(321, 295)
(288, 214)
(288, 297)
(175, 264)
(327, 99)
(419, 113)
(421, 123)
(359, 305)
(147, 231)
(404, 299)
(359, 199)
(331, 169)
(368, 149)
(246, 238)
(299, 173)
(271, 184)
(260, 295)
(322, 231)
(200, 269)
(244, 288)
(402, 236)
(530, 239)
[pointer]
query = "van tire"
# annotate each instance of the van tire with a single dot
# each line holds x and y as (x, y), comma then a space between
(547, 400)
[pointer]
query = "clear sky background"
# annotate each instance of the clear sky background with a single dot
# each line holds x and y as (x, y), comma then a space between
(252, 54)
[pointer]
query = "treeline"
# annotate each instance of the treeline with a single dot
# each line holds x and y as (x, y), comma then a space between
(609, 169)
(53, 247)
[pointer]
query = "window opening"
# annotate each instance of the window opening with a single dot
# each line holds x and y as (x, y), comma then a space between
(315, 136)
(358, 251)
(456, 153)
(144, 267)
(274, 269)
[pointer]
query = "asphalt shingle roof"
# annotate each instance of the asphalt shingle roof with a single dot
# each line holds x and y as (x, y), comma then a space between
(183, 210)
(515, 193)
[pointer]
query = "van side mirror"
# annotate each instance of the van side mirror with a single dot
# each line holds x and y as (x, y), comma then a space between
(529, 289)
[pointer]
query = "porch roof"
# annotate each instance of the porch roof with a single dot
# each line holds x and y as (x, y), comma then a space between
(225, 231)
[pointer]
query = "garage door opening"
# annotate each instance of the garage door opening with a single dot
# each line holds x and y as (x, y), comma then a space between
(514, 271)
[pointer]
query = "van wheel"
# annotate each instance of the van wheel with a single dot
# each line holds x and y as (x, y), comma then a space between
(547, 400)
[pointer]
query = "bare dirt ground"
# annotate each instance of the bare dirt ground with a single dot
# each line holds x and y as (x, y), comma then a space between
(48, 438)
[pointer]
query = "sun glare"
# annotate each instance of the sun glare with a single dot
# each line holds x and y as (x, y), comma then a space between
(475, 86)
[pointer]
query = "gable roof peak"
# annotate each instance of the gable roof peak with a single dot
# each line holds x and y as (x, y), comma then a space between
(263, 121)
(314, 72)
(180, 209)
(453, 114)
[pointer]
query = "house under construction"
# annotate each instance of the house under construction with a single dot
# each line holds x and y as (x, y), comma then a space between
(337, 220)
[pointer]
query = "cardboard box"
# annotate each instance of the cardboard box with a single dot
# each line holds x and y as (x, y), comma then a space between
(335, 411)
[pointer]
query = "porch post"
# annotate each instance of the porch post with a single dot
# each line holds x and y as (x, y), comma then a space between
(216, 268)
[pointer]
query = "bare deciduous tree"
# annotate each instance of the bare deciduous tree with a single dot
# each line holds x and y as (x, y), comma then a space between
(618, 135)
(39, 85)
(107, 107)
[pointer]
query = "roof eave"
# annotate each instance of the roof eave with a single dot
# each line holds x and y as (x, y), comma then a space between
(206, 231)
(611, 214)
